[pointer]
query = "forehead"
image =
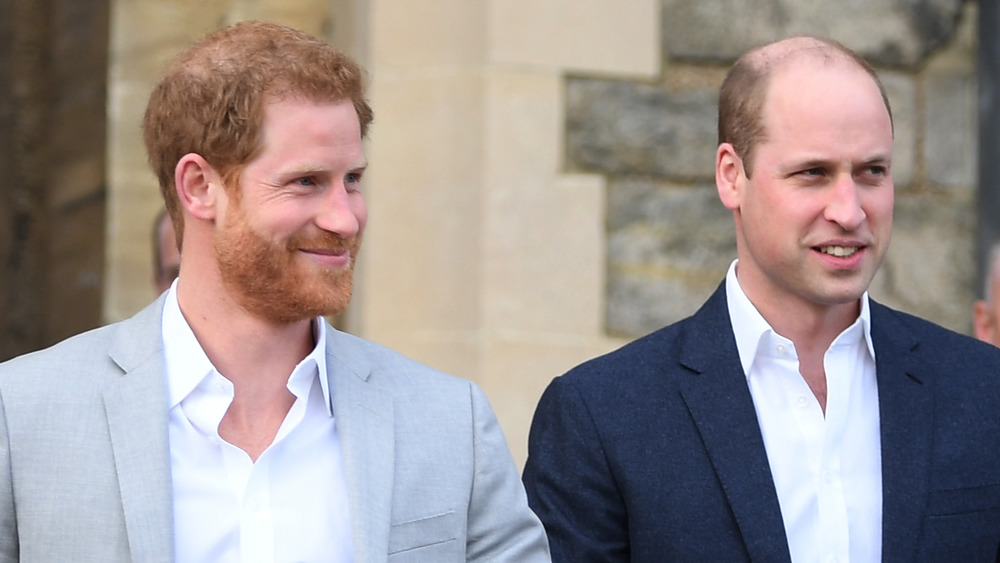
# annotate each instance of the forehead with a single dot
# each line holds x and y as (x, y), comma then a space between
(822, 99)
(300, 126)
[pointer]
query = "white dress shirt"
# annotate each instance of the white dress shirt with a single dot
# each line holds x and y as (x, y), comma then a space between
(827, 470)
(289, 506)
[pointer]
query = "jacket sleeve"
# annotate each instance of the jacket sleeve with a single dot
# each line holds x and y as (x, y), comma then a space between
(569, 482)
(501, 526)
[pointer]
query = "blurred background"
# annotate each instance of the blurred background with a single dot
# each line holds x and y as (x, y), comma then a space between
(541, 184)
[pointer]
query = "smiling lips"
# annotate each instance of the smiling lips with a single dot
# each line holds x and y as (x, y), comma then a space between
(839, 251)
(329, 258)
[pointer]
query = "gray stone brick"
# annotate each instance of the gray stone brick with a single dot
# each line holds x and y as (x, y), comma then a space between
(618, 128)
(929, 267)
(890, 32)
(668, 247)
(951, 142)
(902, 91)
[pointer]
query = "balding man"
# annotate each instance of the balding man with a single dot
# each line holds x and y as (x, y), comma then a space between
(792, 418)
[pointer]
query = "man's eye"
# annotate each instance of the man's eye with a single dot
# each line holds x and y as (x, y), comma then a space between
(352, 178)
(306, 181)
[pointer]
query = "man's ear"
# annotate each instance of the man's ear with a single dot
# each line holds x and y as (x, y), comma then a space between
(198, 185)
(728, 174)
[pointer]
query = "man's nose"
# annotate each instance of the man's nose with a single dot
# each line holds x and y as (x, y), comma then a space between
(844, 205)
(339, 212)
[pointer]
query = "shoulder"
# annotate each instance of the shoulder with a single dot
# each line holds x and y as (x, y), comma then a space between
(393, 372)
(662, 354)
(927, 348)
(903, 330)
(59, 387)
(86, 357)
(82, 350)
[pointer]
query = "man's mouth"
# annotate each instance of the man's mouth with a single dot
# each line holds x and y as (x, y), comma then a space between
(839, 251)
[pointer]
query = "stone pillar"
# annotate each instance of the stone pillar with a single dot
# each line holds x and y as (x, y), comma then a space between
(24, 90)
(988, 195)
(52, 96)
(75, 166)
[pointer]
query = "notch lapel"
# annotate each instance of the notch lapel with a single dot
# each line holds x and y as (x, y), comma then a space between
(719, 401)
(364, 421)
(136, 409)
(906, 410)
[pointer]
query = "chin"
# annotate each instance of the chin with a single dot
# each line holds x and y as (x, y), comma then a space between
(843, 296)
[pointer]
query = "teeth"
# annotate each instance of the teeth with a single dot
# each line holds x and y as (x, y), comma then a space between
(838, 251)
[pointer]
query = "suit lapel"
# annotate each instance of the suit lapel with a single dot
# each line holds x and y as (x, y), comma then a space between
(136, 409)
(906, 421)
(719, 401)
(364, 419)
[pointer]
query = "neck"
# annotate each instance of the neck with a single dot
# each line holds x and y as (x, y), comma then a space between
(812, 328)
(249, 351)
(257, 356)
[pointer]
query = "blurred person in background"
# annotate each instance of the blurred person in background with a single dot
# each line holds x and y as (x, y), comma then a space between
(986, 311)
(166, 257)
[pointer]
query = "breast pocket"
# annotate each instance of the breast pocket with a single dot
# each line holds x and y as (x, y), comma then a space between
(963, 524)
(434, 538)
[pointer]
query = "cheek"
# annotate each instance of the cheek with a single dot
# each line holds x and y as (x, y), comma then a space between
(879, 208)
(360, 211)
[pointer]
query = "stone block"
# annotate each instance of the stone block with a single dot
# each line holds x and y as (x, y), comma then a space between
(427, 34)
(929, 267)
(950, 110)
(75, 273)
(544, 263)
(641, 129)
(951, 143)
(311, 16)
(521, 33)
(902, 91)
(889, 32)
(668, 249)
(421, 256)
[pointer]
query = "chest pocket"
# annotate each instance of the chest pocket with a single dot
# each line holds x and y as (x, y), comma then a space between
(963, 524)
(425, 539)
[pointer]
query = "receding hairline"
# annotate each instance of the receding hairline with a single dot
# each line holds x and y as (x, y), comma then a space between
(746, 89)
(766, 57)
(772, 58)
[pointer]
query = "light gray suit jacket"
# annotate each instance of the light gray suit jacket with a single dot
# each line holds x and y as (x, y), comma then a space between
(85, 460)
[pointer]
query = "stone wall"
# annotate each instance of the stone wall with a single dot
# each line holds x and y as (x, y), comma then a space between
(670, 240)
(53, 61)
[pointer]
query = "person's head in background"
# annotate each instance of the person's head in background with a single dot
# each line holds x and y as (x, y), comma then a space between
(986, 311)
(166, 257)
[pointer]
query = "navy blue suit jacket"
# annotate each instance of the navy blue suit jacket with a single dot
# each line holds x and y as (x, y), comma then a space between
(653, 452)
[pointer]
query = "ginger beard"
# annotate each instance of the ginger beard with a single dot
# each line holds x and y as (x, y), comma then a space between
(270, 281)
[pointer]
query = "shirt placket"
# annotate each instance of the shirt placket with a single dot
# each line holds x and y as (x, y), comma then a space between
(832, 497)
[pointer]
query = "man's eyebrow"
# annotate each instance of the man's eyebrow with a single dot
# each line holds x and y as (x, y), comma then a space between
(881, 158)
(823, 162)
(808, 163)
